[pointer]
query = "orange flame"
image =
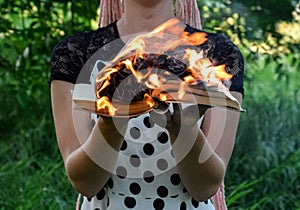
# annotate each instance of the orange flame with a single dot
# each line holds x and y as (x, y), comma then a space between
(203, 69)
(167, 36)
(104, 103)
(138, 75)
(163, 97)
(149, 100)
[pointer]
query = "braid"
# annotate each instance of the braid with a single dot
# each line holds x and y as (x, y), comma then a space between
(110, 11)
(188, 12)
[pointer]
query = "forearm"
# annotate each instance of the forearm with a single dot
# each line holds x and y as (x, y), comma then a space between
(201, 169)
(89, 166)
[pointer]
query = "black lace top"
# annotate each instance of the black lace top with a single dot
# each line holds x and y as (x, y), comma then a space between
(71, 54)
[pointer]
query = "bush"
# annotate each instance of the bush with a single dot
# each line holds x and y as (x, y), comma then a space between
(264, 172)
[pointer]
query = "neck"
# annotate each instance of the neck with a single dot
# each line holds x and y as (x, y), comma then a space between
(144, 15)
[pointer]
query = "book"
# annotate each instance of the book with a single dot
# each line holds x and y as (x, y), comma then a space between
(84, 99)
(156, 69)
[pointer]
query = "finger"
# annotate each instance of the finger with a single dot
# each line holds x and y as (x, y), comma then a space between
(202, 109)
(161, 107)
(193, 113)
(159, 119)
(177, 112)
(119, 123)
(177, 108)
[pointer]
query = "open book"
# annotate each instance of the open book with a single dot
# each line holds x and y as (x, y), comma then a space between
(84, 99)
(154, 69)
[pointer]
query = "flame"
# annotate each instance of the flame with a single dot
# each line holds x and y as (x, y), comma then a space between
(154, 81)
(104, 103)
(221, 73)
(104, 79)
(181, 91)
(202, 68)
(195, 38)
(165, 37)
(138, 75)
(149, 100)
(190, 79)
(163, 97)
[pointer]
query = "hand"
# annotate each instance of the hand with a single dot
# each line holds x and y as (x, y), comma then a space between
(113, 123)
(180, 118)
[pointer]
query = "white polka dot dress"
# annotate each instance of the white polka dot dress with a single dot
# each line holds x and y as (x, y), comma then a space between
(145, 175)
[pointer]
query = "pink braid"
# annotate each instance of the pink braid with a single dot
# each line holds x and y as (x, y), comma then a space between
(110, 11)
(188, 12)
(219, 199)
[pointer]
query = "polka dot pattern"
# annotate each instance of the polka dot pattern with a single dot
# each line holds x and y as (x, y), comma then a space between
(148, 122)
(110, 183)
(183, 206)
(135, 132)
(135, 160)
(135, 188)
(162, 137)
(148, 176)
(162, 164)
(194, 202)
(148, 149)
(158, 204)
(145, 176)
(107, 204)
(124, 145)
(175, 179)
(162, 191)
(121, 172)
(100, 195)
(129, 202)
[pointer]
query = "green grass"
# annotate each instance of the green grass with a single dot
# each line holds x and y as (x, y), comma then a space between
(31, 169)
(32, 178)
(264, 172)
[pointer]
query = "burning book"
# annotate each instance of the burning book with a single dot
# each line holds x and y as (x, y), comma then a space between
(161, 67)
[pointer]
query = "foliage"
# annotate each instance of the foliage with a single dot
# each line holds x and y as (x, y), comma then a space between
(31, 171)
(264, 172)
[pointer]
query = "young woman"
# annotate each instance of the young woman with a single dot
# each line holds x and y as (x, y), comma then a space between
(108, 162)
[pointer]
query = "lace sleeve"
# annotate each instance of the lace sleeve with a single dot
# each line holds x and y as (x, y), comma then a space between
(221, 50)
(68, 58)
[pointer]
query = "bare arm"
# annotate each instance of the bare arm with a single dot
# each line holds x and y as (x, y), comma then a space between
(83, 148)
(203, 169)
(203, 154)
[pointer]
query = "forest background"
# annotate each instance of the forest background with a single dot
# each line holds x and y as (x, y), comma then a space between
(264, 172)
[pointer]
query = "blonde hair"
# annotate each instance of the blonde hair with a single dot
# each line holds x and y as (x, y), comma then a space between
(186, 10)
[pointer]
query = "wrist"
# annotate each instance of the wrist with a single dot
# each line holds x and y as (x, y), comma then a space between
(183, 133)
(176, 129)
(112, 125)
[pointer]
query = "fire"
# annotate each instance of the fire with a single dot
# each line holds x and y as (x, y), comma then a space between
(163, 97)
(154, 81)
(104, 103)
(104, 79)
(138, 75)
(167, 37)
(181, 91)
(202, 68)
(149, 100)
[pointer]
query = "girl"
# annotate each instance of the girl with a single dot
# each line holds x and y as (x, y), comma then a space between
(108, 161)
